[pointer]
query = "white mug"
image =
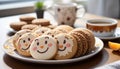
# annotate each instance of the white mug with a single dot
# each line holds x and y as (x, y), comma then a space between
(66, 14)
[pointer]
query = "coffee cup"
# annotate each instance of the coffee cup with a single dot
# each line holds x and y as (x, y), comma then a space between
(66, 13)
(102, 27)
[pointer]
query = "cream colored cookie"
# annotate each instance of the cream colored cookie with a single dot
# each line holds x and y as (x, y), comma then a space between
(29, 26)
(43, 47)
(42, 22)
(62, 30)
(18, 35)
(41, 30)
(67, 46)
(23, 44)
(52, 32)
(65, 27)
(51, 26)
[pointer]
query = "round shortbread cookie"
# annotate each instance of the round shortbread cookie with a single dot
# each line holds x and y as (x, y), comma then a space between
(23, 44)
(27, 19)
(67, 46)
(43, 47)
(42, 22)
(65, 27)
(18, 35)
(41, 31)
(79, 43)
(17, 25)
(51, 26)
(29, 26)
(52, 32)
(62, 30)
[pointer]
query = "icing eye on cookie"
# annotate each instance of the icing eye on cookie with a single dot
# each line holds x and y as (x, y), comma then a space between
(28, 39)
(23, 41)
(37, 43)
(46, 42)
(64, 41)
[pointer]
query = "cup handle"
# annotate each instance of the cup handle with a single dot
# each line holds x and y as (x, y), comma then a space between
(80, 11)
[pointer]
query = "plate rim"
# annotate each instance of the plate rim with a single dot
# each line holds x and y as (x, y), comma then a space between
(56, 61)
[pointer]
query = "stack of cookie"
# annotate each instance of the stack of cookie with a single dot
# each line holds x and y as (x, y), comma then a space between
(85, 40)
(62, 42)
(30, 22)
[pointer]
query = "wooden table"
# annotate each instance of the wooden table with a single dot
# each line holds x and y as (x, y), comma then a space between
(6, 62)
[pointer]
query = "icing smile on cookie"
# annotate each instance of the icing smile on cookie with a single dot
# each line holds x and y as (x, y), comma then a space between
(43, 51)
(62, 49)
(26, 48)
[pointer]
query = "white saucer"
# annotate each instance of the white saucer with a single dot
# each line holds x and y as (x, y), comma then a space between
(115, 36)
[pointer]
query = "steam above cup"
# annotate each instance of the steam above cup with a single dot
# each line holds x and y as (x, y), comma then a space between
(102, 27)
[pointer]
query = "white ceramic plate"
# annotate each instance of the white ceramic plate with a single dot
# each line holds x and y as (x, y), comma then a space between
(115, 36)
(10, 50)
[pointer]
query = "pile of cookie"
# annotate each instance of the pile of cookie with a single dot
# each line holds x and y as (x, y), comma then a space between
(62, 42)
(30, 22)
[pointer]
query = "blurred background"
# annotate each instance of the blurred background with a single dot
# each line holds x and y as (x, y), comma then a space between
(108, 8)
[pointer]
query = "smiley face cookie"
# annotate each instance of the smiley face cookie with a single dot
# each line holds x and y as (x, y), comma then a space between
(18, 35)
(43, 47)
(65, 27)
(24, 43)
(67, 46)
(53, 32)
(41, 31)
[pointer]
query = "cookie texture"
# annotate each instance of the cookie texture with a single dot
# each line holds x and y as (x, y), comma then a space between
(18, 35)
(17, 25)
(43, 47)
(53, 32)
(42, 22)
(88, 35)
(27, 19)
(41, 31)
(29, 26)
(65, 27)
(23, 44)
(85, 40)
(67, 46)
